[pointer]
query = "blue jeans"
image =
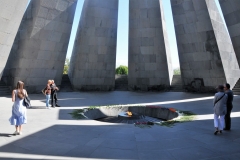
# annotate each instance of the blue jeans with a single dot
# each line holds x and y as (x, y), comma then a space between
(47, 99)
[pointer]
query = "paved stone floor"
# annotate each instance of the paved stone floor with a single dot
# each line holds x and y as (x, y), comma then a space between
(53, 134)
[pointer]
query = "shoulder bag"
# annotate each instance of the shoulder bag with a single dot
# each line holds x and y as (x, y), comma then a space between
(26, 102)
(219, 99)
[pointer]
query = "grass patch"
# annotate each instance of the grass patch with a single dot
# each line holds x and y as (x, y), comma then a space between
(185, 116)
(78, 114)
(92, 107)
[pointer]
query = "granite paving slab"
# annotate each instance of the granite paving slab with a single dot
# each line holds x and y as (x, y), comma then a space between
(53, 134)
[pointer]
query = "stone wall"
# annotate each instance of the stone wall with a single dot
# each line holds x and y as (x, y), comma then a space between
(149, 54)
(11, 14)
(206, 55)
(94, 55)
(231, 12)
(40, 47)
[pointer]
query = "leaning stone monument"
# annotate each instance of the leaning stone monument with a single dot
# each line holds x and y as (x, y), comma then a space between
(11, 14)
(231, 12)
(40, 47)
(206, 55)
(149, 59)
(94, 55)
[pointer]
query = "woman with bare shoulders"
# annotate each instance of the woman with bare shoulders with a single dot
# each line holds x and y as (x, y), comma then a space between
(19, 112)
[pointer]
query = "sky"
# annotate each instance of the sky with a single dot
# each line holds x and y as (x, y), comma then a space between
(122, 39)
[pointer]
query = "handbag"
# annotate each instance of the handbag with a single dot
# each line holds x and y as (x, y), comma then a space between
(26, 102)
(43, 90)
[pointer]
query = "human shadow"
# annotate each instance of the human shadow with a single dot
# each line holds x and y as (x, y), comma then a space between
(6, 135)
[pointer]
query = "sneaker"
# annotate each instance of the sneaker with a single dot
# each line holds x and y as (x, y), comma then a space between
(15, 133)
(19, 133)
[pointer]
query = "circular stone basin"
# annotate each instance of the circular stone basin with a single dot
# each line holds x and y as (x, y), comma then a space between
(117, 114)
(124, 115)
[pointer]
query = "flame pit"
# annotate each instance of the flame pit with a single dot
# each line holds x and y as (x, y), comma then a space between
(129, 115)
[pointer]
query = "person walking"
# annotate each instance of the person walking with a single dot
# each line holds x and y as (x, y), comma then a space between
(19, 112)
(54, 90)
(47, 93)
(220, 109)
(229, 106)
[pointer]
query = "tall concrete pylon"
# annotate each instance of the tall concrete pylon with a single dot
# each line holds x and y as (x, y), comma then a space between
(11, 14)
(206, 55)
(231, 12)
(40, 47)
(94, 55)
(149, 59)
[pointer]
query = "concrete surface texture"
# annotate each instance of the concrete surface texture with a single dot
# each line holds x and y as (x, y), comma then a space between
(53, 134)
(149, 54)
(11, 14)
(94, 55)
(231, 9)
(40, 47)
(205, 50)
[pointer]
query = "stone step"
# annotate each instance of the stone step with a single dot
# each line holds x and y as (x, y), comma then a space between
(121, 82)
(177, 88)
(236, 88)
(5, 93)
(236, 93)
(66, 85)
(176, 80)
(4, 89)
(121, 89)
(66, 90)
(176, 84)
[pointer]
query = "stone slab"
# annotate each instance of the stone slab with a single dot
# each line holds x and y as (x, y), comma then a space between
(94, 52)
(230, 11)
(204, 35)
(41, 44)
(11, 14)
(149, 53)
(47, 136)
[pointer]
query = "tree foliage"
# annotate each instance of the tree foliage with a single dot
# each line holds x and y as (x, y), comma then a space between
(177, 71)
(66, 66)
(122, 70)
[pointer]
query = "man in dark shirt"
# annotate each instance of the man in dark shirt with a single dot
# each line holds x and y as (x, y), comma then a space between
(229, 106)
(54, 90)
